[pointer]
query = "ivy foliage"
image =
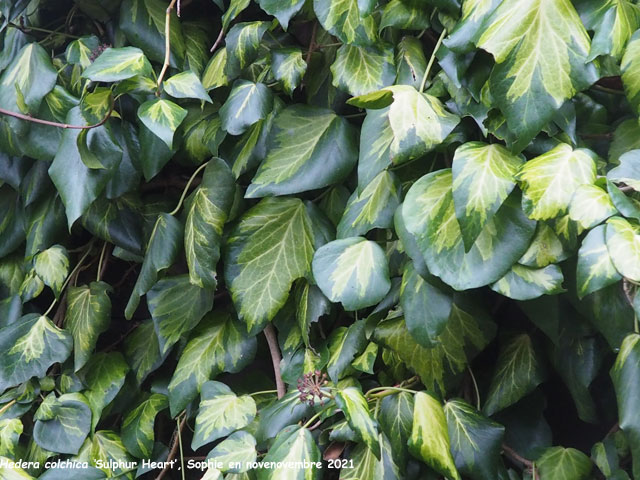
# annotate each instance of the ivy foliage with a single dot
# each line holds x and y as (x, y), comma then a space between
(397, 239)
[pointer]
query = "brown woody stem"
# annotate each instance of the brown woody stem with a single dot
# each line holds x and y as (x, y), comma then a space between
(174, 448)
(513, 455)
(167, 43)
(29, 118)
(270, 334)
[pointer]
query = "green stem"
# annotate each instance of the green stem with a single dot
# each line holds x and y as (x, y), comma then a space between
(384, 391)
(612, 91)
(312, 419)
(432, 59)
(104, 249)
(263, 392)
(475, 386)
(69, 277)
(43, 30)
(7, 406)
(186, 188)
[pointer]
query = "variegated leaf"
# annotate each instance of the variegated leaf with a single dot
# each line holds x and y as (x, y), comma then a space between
(293, 446)
(344, 344)
(550, 180)
(237, 448)
(376, 137)
(429, 215)
(10, 431)
(630, 67)
(115, 64)
(404, 15)
(373, 207)
(429, 439)
(214, 75)
(106, 446)
(219, 344)
(468, 29)
(247, 103)
(541, 50)
(366, 360)
(310, 148)
(613, 21)
(177, 306)
(25, 82)
(206, 216)
(483, 178)
(162, 117)
(518, 372)
(62, 424)
(628, 172)
(366, 465)
(267, 251)
(104, 376)
(558, 463)
(410, 62)
(545, 248)
(221, 412)
(344, 19)
(137, 427)
(288, 67)
(161, 252)
(88, 315)
(623, 244)
(235, 8)
(186, 85)
(625, 373)
(360, 70)
(476, 441)
(352, 402)
(353, 271)
(242, 43)
(31, 345)
(52, 266)
(466, 333)
(595, 268)
(79, 52)
(526, 283)
(590, 205)
(419, 122)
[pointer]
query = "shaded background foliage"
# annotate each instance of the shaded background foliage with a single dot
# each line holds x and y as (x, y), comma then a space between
(400, 234)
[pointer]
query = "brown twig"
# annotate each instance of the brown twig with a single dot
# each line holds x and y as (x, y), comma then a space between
(122, 337)
(218, 40)
(627, 189)
(316, 425)
(627, 287)
(513, 455)
(104, 260)
(174, 449)
(58, 318)
(613, 429)
(29, 118)
(596, 136)
(125, 276)
(270, 334)
(167, 44)
(334, 450)
(312, 42)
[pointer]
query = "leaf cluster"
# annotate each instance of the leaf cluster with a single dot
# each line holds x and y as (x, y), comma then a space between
(393, 239)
